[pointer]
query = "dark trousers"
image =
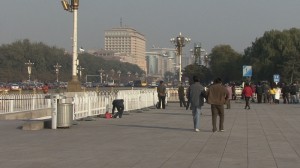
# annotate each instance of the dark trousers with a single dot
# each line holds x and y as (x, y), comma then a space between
(182, 101)
(119, 113)
(259, 98)
(266, 98)
(215, 111)
(233, 97)
(228, 104)
(286, 98)
(247, 100)
(162, 102)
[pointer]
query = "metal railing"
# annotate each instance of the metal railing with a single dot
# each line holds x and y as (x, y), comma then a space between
(23, 102)
(93, 103)
(86, 103)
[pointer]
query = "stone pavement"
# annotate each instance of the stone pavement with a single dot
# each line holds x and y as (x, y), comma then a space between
(267, 136)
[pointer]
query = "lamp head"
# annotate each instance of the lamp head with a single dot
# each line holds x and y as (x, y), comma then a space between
(65, 5)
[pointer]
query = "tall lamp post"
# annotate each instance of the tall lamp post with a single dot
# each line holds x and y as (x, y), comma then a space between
(197, 53)
(112, 75)
(57, 67)
(29, 65)
(101, 72)
(179, 43)
(72, 6)
(80, 71)
(128, 73)
(119, 73)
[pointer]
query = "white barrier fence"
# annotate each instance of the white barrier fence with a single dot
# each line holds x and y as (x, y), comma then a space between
(93, 103)
(23, 102)
(85, 103)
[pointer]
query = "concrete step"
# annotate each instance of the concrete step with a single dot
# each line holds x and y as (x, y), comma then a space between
(37, 124)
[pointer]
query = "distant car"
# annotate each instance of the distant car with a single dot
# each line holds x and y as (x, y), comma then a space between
(238, 91)
(153, 84)
(111, 84)
(14, 86)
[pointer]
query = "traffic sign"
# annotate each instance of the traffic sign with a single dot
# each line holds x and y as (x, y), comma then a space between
(276, 78)
(247, 71)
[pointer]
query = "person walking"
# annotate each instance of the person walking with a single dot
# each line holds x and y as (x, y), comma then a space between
(181, 95)
(229, 96)
(233, 97)
(45, 88)
(217, 96)
(293, 93)
(196, 98)
(285, 93)
(253, 87)
(247, 92)
(161, 92)
(266, 95)
(187, 94)
(259, 92)
(272, 92)
(277, 95)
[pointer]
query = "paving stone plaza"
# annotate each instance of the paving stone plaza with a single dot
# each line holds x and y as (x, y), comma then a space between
(267, 136)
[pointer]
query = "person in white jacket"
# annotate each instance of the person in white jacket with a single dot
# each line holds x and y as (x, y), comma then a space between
(277, 95)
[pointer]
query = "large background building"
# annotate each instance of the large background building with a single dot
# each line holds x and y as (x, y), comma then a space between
(160, 61)
(128, 44)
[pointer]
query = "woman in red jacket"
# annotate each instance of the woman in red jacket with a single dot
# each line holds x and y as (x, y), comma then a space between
(247, 92)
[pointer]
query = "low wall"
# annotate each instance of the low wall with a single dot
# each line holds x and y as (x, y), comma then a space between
(26, 114)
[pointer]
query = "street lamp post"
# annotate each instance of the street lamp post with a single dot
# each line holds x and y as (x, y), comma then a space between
(197, 53)
(74, 85)
(80, 71)
(112, 75)
(29, 65)
(168, 77)
(128, 73)
(119, 73)
(57, 67)
(101, 71)
(179, 43)
(206, 60)
(106, 76)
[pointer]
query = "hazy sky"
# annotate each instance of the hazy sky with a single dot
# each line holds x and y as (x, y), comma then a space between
(212, 22)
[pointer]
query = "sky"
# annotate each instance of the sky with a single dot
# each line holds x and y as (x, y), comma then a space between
(211, 22)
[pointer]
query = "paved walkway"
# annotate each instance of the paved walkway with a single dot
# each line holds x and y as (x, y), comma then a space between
(267, 136)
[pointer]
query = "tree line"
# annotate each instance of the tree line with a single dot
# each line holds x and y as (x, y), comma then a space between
(14, 56)
(276, 52)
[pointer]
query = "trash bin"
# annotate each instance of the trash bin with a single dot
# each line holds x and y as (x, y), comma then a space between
(64, 115)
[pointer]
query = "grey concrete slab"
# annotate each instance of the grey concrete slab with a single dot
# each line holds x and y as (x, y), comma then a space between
(266, 136)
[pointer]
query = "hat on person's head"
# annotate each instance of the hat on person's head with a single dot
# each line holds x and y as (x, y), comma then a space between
(218, 80)
(195, 79)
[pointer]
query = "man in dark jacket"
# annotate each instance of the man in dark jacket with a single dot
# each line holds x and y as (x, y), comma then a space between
(181, 95)
(217, 96)
(259, 92)
(196, 100)
(285, 93)
(119, 104)
(161, 92)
